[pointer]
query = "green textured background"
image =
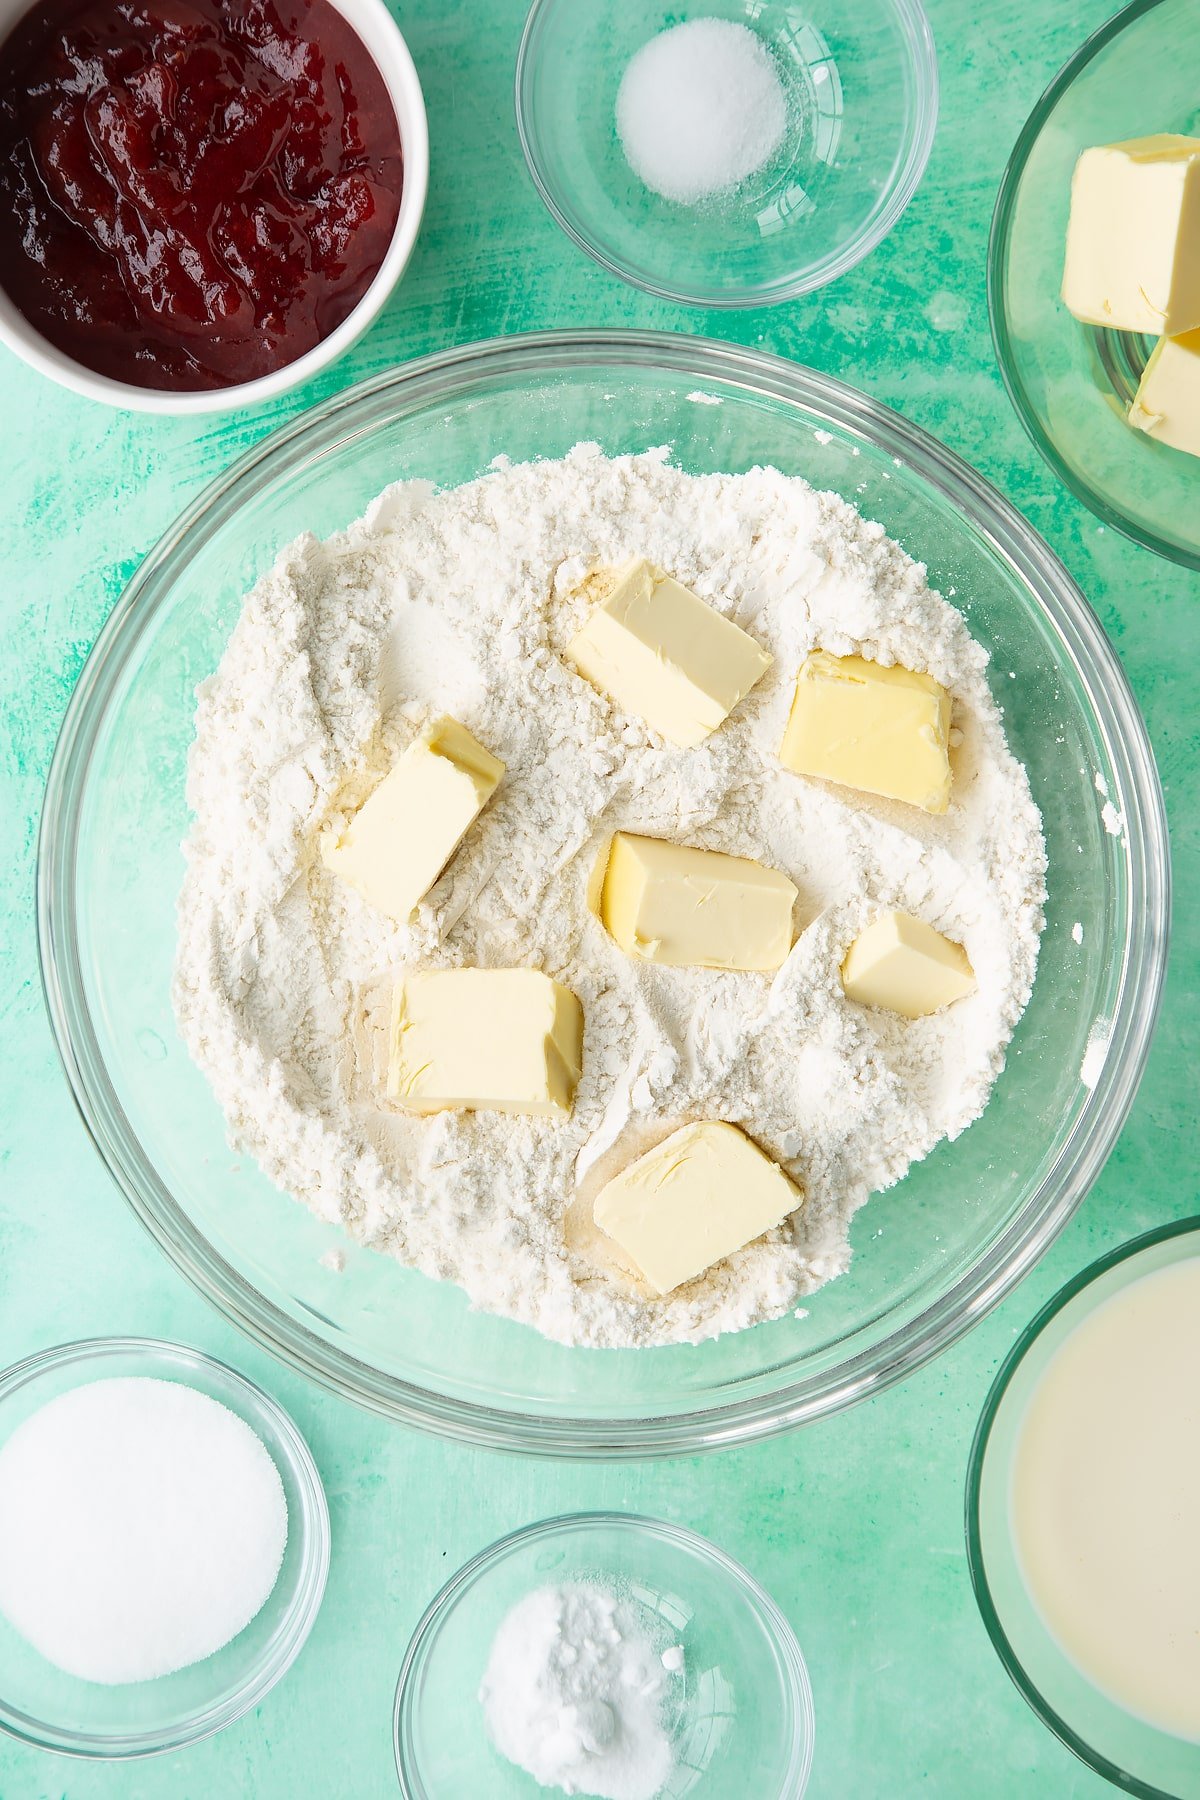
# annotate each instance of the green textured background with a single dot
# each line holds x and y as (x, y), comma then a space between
(856, 1525)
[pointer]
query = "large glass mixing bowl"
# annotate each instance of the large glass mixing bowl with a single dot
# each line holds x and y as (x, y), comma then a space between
(930, 1256)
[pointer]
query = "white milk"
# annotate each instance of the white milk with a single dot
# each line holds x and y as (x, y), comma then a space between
(1106, 1497)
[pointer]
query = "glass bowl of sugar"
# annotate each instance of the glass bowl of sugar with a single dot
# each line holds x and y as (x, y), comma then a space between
(164, 1544)
(731, 152)
(603, 1653)
(1081, 1514)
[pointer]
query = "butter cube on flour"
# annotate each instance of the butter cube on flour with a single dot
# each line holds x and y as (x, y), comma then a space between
(1167, 406)
(883, 730)
(665, 655)
(906, 966)
(1133, 239)
(401, 838)
(670, 903)
(701, 1194)
(495, 1040)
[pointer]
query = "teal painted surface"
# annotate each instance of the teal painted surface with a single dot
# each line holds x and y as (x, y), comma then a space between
(855, 1526)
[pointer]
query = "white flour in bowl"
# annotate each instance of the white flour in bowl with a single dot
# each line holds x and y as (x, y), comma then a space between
(461, 602)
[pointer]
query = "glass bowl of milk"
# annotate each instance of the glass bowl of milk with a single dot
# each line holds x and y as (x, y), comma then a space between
(1083, 1502)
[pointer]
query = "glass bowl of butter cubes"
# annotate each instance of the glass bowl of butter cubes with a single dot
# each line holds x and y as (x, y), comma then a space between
(1094, 276)
(930, 1254)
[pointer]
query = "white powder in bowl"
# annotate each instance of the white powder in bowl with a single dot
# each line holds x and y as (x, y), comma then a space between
(700, 108)
(574, 1693)
(142, 1526)
(463, 602)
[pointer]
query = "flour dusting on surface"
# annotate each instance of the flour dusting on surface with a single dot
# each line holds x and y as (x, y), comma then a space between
(462, 601)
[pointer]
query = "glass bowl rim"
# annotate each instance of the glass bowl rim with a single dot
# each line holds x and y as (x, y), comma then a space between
(1141, 963)
(997, 255)
(767, 1610)
(312, 1527)
(918, 33)
(976, 1560)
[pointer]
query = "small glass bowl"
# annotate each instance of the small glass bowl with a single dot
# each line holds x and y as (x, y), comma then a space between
(1072, 383)
(861, 86)
(1126, 1750)
(51, 1710)
(743, 1722)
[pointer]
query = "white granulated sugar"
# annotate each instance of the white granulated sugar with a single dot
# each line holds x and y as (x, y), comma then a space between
(700, 108)
(574, 1693)
(462, 602)
(142, 1526)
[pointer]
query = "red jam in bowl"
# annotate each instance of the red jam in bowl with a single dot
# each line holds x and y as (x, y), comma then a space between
(193, 193)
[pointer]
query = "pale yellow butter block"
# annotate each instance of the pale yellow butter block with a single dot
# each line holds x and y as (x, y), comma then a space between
(1133, 239)
(882, 730)
(905, 965)
(695, 1198)
(1167, 405)
(670, 903)
(401, 838)
(665, 655)
(484, 1040)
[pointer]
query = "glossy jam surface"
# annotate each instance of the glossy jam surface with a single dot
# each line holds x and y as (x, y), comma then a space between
(192, 194)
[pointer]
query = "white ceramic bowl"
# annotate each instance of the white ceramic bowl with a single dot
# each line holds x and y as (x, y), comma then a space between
(382, 38)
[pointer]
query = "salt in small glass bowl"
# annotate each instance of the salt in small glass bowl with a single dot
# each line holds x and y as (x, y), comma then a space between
(862, 93)
(742, 1723)
(42, 1705)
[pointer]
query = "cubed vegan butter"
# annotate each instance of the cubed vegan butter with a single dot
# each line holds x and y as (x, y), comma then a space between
(695, 1198)
(905, 965)
(665, 655)
(401, 838)
(883, 730)
(484, 1040)
(669, 903)
(1133, 239)
(1167, 406)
